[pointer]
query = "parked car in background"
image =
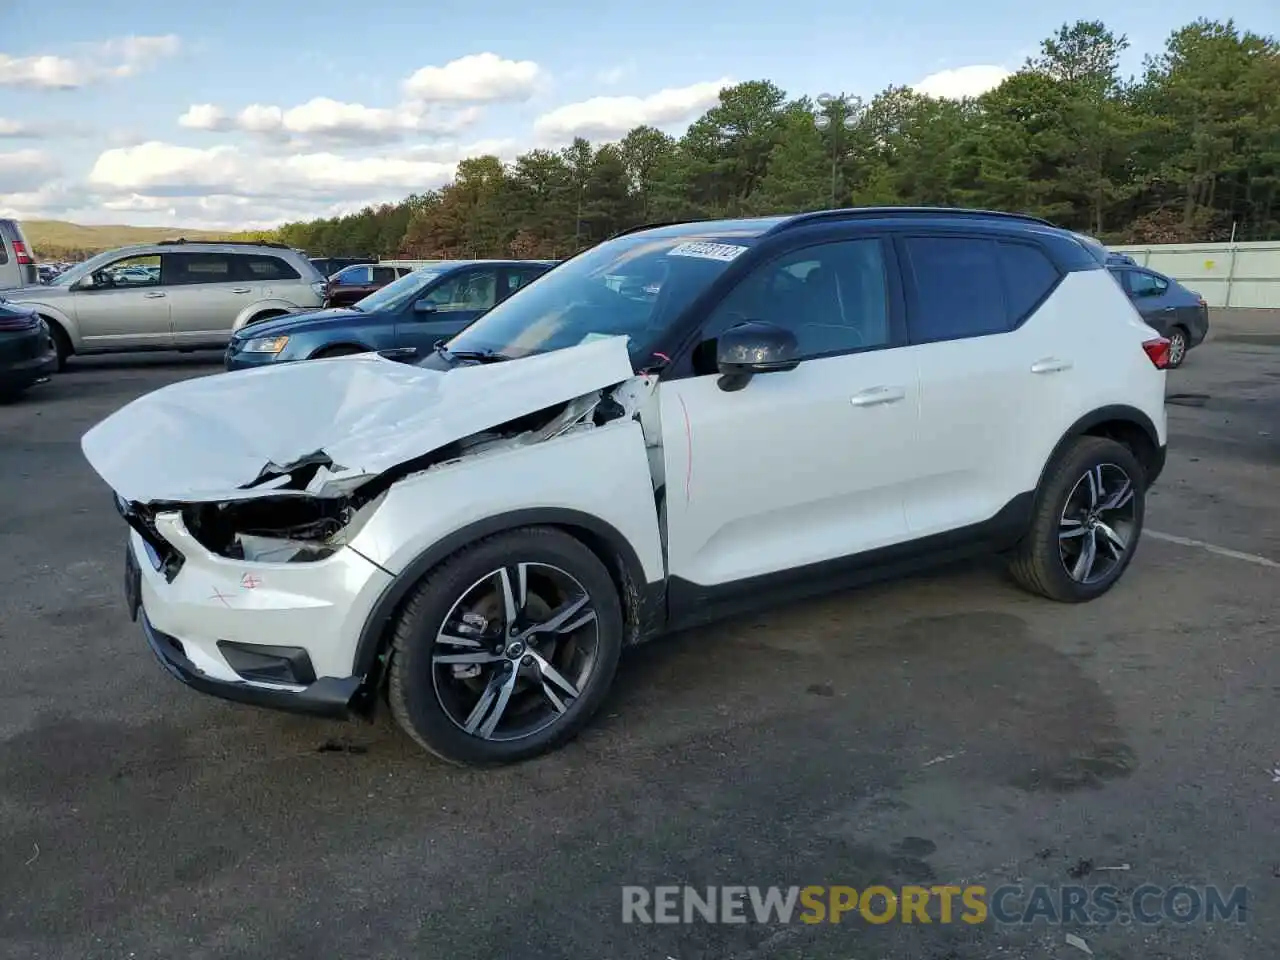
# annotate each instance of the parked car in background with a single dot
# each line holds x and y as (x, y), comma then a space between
(1167, 306)
(17, 264)
(328, 266)
(172, 295)
(27, 353)
(352, 284)
(1120, 259)
(410, 314)
(806, 403)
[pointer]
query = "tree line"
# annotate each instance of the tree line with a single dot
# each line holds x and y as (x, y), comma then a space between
(1187, 151)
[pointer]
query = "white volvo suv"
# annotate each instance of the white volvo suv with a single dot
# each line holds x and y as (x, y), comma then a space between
(682, 422)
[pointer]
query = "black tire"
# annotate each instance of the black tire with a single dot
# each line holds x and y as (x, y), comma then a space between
(414, 688)
(1178, 340)
(61, 343)
(1040, 561)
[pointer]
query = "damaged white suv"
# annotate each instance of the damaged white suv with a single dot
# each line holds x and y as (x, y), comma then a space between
(683, 422)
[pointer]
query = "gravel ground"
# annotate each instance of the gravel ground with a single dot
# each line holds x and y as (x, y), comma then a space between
(942, 730)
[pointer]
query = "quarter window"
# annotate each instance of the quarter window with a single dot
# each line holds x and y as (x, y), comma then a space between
(959, 289)
(833, 297)
(264, 269)
(1029, 277)
(1146, 284)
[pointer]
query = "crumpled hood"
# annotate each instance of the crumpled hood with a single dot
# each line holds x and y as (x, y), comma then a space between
(205, 439)
(299, 322)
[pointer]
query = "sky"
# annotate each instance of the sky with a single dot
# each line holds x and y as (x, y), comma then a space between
(243, 114)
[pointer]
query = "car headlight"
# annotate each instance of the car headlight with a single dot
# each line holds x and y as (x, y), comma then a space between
(265, 345)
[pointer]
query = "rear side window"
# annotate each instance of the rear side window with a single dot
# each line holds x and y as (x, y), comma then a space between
(186, 268)
(384, 275)
(958, 286)
(264, 268)
(1029, 278)
(354, 276)
(8, 231)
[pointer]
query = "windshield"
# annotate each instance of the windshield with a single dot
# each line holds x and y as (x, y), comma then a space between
(399, 293)
(633, 286)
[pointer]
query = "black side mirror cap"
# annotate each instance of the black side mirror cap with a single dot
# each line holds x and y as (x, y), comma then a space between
(747, 349)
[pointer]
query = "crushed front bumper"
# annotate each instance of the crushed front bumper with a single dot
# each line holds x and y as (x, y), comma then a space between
(248, 655)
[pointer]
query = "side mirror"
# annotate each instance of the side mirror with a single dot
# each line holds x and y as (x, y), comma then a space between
(424, 306)
(754, 347)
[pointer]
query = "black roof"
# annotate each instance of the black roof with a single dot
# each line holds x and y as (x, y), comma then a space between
(758, 226)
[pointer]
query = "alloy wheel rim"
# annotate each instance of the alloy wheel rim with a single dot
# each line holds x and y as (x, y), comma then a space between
(515, 651)
(1098, 524)
(1177, 348)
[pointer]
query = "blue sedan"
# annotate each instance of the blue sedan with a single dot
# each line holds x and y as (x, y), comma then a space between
(411, 314)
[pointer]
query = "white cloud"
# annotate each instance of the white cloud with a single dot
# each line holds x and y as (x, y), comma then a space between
(24, 170)
(610, 117)
(971, 81)
(477, 78)
(120, 57)
(16, 128)
(324, 120)
(165, 170)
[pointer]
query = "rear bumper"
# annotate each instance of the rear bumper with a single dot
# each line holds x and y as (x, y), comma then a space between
(17, 374)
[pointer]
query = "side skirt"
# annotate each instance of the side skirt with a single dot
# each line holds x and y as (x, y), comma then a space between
(690, 604)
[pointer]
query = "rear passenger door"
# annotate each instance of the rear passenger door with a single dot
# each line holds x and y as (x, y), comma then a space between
(266, 277)
(993, 365)
(205, 297)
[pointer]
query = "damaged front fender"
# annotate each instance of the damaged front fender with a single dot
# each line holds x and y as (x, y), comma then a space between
(280, 463)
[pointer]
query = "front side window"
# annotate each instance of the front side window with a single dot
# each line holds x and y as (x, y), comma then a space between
(401, 293)
(141, 271)
(833, 297)
(959, 291)
(182, 269)
(464, 292)
(354, 276)
(634, 286)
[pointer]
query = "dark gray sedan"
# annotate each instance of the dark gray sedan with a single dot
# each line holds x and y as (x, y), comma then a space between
(1171, 309)
(411, 315)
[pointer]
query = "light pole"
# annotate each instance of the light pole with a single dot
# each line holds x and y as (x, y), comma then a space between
(837, 113)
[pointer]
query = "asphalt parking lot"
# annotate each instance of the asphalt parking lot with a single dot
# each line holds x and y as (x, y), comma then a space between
(943, 730)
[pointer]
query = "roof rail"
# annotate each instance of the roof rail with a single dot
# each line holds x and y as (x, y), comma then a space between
(651, 226)
(232, 243)
(852, 213)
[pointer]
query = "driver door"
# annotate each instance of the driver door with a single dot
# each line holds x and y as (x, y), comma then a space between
(800, 467)
(128, 310)
(447, 307)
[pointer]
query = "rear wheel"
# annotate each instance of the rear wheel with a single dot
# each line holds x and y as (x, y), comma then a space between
(1177, 347)
(1086, 522)
(506, 650)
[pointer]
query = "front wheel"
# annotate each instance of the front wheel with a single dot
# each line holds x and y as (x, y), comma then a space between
(1086, 522)
(507, 649)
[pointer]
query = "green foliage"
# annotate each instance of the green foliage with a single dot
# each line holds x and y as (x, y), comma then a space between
(1181, 153)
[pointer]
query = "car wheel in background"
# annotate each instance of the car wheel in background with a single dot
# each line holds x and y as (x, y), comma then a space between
(1177, 347)
(505, 650)
(1086, 522)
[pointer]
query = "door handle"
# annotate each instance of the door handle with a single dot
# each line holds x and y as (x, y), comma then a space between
(1170, 309)
(1050, 365)
(239, 289)
(878, 395)
(153, 295)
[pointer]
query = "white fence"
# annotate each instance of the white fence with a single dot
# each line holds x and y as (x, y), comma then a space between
(1225, 274)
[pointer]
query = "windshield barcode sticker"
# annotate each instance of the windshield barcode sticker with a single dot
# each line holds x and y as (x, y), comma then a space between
(708, 251)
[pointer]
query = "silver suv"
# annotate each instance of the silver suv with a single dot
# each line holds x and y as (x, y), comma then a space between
(17, 266)
(172, 295)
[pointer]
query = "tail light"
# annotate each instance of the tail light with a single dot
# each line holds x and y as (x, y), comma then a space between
(1157, 351)
(20, 252)
(1204, 303)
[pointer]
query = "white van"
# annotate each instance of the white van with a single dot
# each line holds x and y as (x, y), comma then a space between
(17, 265)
